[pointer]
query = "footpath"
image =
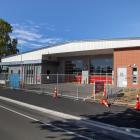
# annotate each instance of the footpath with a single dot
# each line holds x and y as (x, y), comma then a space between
(120, 116)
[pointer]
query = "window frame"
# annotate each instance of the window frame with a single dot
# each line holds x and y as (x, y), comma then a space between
(134, 83)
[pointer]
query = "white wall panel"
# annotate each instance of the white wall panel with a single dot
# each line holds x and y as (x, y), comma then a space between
(75, 47)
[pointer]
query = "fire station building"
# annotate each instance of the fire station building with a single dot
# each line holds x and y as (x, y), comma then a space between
(119, 59)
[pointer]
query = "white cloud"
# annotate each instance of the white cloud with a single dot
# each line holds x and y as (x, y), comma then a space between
(27, 35)
(50, 40)
(30, 34)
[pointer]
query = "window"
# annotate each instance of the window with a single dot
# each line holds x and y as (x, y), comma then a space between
(29, 70)
(101, 65)
(4, 69)
(134, 75)
(74, 67)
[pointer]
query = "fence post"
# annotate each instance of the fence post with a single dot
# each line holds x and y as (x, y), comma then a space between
(77, 95)
(107, 84)
(77, 90)
(94, 91)
(5, 78)
(113, 78)
(57, 82)
(41, 84)
(105, 87)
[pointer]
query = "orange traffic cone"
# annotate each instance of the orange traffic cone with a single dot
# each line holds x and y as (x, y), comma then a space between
(105, 102)
(137, 107)
(55, 93)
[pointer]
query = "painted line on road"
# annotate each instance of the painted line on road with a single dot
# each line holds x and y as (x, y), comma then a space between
(11, 110)
(51, 112)
(71, 117)
(48, 124)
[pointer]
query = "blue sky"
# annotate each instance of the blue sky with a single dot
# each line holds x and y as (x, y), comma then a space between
(40, 23)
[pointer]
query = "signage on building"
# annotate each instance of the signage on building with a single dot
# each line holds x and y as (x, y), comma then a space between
(85, 77)
(99, 86)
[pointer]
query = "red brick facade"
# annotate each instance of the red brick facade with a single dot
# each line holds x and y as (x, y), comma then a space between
(127, 58)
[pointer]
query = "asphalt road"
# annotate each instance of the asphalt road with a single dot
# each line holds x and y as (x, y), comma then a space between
(120, 116)
(21, 123)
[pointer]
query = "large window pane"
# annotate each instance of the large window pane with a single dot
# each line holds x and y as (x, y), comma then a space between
(73, 66)
(101, 65)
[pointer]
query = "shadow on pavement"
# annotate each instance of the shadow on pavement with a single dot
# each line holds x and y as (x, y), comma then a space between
(55, 132)
(128, 118)
(71, 126)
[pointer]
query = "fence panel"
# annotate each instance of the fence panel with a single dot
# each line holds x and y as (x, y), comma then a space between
(71, 86)
(4, 78)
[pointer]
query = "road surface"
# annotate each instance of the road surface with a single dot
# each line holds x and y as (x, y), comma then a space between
(19, 123)
(23, 123)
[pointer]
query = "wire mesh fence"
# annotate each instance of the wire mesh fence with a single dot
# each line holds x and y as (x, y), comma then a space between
(71, 86)
(4, 79)
(68, 85)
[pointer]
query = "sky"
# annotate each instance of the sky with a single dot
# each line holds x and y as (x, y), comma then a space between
(40, 23)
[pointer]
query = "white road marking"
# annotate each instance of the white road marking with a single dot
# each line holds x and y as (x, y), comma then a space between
(51, 112)
(11, 110)
(71, 117)
(48, 124)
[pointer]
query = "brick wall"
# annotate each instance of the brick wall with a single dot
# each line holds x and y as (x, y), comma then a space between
(127, 57)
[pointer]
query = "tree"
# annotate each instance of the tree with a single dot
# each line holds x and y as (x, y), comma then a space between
(8, 45)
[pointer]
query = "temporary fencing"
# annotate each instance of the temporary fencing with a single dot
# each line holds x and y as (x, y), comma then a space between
(67, 85)
(92, 87)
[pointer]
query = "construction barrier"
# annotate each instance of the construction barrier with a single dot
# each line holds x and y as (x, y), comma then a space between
(137, 106)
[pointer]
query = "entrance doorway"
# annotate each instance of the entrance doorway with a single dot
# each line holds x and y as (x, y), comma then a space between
(122, 77)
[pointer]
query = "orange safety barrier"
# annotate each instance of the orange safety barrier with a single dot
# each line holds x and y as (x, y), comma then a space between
(137, 106)
(105, 79)
(92, 78)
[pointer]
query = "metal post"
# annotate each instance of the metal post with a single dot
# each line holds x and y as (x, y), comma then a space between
(106, 85)
(42, 85)
(57, 82)
(77, 89)
(94, 91)
(21, 67)
(77, 92)
(112, 77)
